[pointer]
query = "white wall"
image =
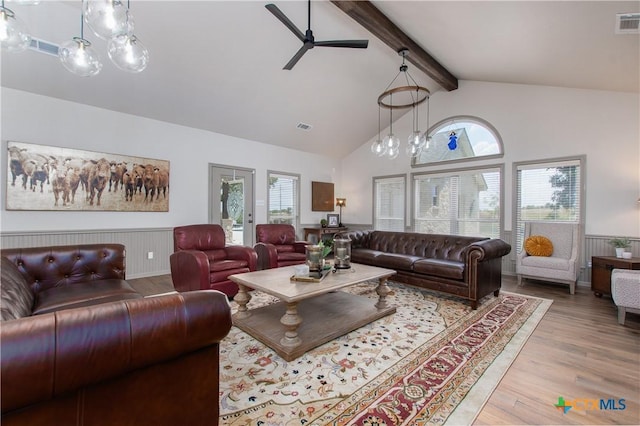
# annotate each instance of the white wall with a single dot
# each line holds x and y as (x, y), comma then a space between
(48, 121)
(535, 122)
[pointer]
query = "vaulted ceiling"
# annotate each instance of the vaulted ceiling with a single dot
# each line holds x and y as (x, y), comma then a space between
(217, 65)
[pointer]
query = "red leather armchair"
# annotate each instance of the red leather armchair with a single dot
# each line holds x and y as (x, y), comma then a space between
(201, 260)
(277, 246)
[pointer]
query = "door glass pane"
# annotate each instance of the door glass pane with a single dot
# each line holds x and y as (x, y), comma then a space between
(232, 195)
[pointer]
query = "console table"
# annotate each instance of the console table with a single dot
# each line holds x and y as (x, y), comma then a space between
(320, 232)
(601, 267)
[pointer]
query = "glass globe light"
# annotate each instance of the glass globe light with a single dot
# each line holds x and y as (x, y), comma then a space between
(79, 57)
(108, 18)
(14, 35)
(413, 150)
(128, 53)
(378, 148)
(392, 144)
(415, 138)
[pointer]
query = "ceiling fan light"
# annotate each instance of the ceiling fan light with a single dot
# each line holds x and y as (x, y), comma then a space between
(108, 18)
(14, 35)
(79, 57)
(128, 53)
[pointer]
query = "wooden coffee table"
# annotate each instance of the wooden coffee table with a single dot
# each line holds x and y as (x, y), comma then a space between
(309, 313)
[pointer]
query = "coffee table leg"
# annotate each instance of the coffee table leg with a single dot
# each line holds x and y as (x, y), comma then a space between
(382, 290)
(242, 298)
(291, 320)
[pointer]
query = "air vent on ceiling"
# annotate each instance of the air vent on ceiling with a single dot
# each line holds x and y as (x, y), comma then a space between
(303, 126)
(44, 47)
(628, 23)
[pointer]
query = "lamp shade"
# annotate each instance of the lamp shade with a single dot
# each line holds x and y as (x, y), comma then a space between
(341, 202)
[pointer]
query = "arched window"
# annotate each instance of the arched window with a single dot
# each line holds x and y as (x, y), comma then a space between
(460, 138)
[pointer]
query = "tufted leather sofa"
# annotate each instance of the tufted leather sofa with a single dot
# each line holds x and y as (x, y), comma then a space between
(277, 246)
(202, 260)
(78, 345)
(468, 267)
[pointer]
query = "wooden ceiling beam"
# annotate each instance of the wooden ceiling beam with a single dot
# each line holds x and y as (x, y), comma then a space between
(372, 19)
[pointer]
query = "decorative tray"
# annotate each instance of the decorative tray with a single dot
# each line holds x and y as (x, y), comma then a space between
(314, 277)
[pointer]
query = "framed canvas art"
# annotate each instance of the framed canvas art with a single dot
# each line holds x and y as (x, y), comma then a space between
(41, 177)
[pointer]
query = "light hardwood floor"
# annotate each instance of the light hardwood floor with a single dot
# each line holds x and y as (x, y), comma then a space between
(578, 351)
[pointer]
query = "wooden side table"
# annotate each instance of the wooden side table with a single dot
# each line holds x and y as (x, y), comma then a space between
(320, 232)
(601, 267)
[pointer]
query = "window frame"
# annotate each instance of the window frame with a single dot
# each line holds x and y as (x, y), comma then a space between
(297, 177)
(500, 167)
(543, 163)
(404, 198)
(459, 118)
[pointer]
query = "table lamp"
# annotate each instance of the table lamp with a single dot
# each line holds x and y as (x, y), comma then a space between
(340, 202)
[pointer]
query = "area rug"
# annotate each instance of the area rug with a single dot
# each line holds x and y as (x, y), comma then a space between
(435, 361)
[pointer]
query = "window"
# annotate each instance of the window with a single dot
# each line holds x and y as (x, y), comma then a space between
(283, 198)
(474, 138)
(548, 191)
(388, 202)
(459, 202)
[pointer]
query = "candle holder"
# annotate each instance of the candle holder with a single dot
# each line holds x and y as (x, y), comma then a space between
(314, 257)
(342, 253)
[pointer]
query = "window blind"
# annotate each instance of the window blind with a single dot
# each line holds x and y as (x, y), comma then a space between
(458, 202)
(283, 199)
(389, 203)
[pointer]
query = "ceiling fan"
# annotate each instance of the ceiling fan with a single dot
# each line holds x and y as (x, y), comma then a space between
(308, 42)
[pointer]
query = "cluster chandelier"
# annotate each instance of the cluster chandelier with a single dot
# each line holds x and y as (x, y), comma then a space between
(110, 20)
(409, 96)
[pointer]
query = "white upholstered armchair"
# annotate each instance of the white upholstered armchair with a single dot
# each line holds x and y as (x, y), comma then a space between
(563, 265)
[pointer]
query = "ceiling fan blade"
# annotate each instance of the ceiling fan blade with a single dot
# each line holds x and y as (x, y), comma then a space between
(282, 17)
(357, 44)
(296, 57)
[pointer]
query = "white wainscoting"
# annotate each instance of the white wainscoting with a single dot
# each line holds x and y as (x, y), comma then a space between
(138, 243)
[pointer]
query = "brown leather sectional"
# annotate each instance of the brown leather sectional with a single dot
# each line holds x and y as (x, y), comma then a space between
(79, 345)
(468, 267)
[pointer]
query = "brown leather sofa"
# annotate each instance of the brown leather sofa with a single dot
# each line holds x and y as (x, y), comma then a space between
(78, 345)
(468, 267)
(202, 260)
(277, 246)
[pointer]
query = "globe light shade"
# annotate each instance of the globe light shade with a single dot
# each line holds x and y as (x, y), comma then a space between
(415, 138)
(392, 144)
(414, 151)
(79, 57)
(378, 148)
(128, 53)
(14, 35)
(108, 18)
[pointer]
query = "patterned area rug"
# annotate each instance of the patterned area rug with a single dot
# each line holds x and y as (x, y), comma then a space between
(425, 364)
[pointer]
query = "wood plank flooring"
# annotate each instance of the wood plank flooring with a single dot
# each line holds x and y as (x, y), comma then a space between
(578, 351)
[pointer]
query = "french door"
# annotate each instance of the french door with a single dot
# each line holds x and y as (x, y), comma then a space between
(231, 202)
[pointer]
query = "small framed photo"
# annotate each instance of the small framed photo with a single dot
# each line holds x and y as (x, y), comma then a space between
(333, 220)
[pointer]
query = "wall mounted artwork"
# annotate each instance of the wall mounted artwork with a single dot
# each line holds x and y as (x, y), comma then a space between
(321, 196)
(41, 177)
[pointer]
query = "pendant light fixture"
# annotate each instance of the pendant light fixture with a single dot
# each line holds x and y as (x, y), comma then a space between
(414, 95)
(107, 18)
(128, 53)
(78, 56)
(14, 35)
(378, 147)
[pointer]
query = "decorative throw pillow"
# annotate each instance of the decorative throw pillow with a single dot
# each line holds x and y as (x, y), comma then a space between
(537, 245)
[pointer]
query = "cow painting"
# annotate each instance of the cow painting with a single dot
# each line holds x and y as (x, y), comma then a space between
(50, 177)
